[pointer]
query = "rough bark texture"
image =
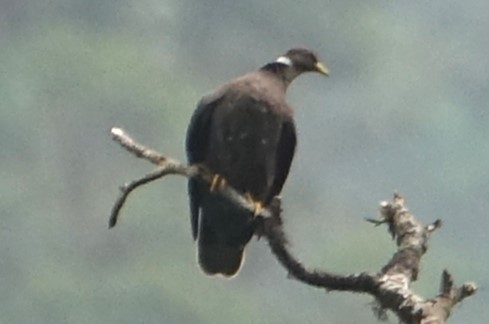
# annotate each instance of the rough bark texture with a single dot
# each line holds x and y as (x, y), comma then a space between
(390, 286)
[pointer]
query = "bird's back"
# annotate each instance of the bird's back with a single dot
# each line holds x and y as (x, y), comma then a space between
(248, 121)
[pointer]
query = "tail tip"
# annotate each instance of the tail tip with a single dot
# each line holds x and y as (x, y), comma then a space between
(225, 261)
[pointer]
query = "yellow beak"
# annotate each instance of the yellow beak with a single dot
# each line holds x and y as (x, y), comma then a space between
(321, 68)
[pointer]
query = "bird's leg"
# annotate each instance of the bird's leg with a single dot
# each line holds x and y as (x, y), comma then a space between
(257, 205)
(218, 181)
(258, 208)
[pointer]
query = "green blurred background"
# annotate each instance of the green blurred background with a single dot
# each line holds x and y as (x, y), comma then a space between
(405, 109)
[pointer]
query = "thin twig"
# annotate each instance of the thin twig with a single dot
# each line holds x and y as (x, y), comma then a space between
(127, 188)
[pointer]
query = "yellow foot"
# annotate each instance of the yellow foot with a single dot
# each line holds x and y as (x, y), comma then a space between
(258, 208)
(257, 205)
(217, 182)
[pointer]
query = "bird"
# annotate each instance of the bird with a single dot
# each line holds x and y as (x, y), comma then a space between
(244, 134)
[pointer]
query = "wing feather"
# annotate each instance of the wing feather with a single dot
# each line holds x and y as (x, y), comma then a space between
(284, 155)
(196, 147)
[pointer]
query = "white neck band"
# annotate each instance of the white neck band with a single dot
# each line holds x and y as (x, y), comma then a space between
(284, 60)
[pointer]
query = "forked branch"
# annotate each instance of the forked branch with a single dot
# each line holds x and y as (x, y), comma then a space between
(390, 286)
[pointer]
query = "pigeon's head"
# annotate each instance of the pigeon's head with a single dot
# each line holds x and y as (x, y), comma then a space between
(302, 60)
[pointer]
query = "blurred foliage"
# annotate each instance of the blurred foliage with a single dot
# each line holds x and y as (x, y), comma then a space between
(405, 109)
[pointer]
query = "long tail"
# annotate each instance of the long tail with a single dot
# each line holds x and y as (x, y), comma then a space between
(224, 231)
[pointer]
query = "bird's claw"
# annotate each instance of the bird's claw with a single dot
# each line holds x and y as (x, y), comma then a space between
(258, 208)
(257, 205)
(218, 181)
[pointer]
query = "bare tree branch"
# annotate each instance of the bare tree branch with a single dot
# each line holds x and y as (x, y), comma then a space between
(166, 166)
(390, 286)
